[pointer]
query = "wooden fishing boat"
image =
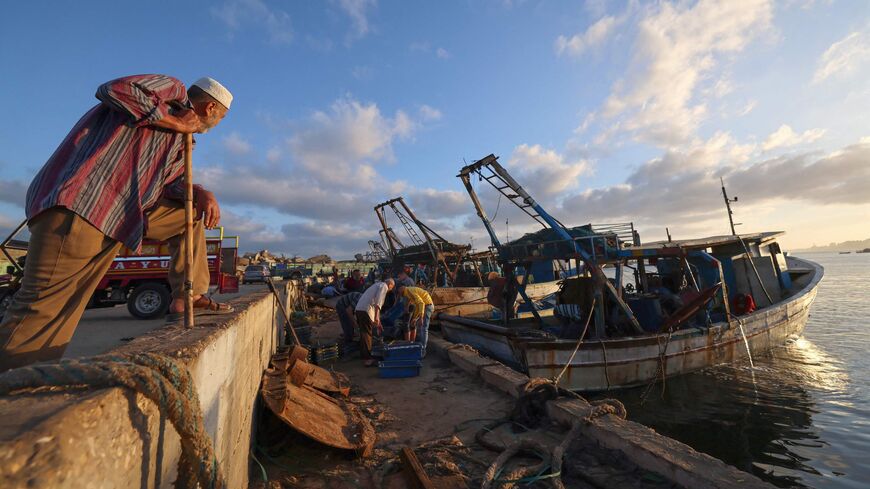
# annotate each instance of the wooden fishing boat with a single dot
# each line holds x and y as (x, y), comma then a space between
(690, 304)
(609, 363)
(471, 301)
(454, 275)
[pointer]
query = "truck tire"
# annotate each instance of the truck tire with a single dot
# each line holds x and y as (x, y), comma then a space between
(148, 300)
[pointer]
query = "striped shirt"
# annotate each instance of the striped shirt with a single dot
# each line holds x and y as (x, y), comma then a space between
(114, 166)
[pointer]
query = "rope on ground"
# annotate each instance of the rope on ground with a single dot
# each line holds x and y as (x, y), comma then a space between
(157, 377)
(531, 408)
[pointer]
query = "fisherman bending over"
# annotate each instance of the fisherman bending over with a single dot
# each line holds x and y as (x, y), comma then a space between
(368, 316)
(116, 179)
(345, 309)
(423, 307)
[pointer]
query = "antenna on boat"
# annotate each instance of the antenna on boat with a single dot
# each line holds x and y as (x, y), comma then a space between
(742, 243)
(728, 206)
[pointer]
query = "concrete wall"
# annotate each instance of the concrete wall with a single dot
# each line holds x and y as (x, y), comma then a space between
(110, 438)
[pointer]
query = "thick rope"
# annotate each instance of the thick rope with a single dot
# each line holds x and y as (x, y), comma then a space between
(532, 403)
(156, 377)
(576, 348)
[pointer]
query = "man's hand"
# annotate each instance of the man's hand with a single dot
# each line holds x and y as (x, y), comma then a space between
(207, 208)
(185, 121)
(379, 328)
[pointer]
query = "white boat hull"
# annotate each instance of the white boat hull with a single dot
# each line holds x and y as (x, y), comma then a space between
(633, 361)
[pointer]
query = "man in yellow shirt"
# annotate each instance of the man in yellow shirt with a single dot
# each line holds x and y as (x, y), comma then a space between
(420, 316)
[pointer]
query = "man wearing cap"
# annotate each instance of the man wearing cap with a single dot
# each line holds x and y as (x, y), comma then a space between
(116, 179)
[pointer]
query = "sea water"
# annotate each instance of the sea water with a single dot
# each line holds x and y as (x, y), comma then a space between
(801, 416)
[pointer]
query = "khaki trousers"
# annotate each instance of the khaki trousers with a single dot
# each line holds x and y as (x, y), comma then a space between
(66, 259)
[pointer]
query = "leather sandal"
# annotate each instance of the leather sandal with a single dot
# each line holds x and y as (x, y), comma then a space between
(210, 308)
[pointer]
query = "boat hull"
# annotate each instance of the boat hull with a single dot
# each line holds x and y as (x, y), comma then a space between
(471, 301)
(633, 361)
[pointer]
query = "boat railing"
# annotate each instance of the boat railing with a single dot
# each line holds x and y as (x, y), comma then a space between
(623, 230)
(601, 247)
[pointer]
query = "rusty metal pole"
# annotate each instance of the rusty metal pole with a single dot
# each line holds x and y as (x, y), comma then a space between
(188, 230)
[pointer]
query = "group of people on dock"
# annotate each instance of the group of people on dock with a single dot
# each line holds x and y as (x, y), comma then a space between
(395, 302)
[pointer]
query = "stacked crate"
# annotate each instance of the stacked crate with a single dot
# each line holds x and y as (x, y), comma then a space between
(401, 359)
(324, 352)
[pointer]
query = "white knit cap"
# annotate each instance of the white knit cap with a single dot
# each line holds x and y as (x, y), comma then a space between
(215, 89)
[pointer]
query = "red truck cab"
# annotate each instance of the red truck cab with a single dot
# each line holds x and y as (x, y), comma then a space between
(141, 281)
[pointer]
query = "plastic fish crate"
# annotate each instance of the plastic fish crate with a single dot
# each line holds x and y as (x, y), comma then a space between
(399, 369)
(325, 352)
(403, 350)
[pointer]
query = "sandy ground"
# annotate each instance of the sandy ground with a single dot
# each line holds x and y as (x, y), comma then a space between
(437, 414)
(426, 407)
(441, 402)
(102, 330)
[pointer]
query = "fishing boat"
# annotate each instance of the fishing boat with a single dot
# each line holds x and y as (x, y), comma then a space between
(454, 274)
(691, 304)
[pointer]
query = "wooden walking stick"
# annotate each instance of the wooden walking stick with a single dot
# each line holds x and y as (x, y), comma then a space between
(188, 230)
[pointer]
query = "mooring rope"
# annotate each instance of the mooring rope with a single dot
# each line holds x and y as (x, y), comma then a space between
(576, 348)
(530, 408)
(157, 377)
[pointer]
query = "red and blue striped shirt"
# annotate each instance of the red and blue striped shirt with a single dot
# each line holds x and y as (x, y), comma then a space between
(114, 165)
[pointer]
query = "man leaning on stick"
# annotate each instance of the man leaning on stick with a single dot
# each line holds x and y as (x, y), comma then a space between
(116, 179)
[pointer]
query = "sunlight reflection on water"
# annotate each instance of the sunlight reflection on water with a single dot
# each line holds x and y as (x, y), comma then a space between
(801, 417)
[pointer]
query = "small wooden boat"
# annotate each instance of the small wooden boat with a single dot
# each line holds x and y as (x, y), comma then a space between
(471, 301)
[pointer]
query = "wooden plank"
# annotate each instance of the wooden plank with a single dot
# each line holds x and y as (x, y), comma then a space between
(414, 472)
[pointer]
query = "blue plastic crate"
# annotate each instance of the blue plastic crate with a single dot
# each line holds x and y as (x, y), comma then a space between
(398, 369)
(403, 350)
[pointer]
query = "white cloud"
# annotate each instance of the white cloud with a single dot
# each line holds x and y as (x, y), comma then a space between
(843, 57)
(358, 11)
(785, 137)
(545, 172)
(341, 145)
(273, 155)
(749, 107)
(683, 186)
(425, 47)
(428, 113)
(677, 50)
(255, 14)
(236, 145)
(430, 203)
(594, 36)
(362, 72)
(324, 176)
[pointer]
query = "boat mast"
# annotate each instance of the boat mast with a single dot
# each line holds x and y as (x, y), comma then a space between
(728, 206)
(745, 248)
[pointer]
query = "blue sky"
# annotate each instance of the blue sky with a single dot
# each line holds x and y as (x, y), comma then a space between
(605, 110)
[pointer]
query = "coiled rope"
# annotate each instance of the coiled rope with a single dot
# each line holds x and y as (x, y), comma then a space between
(157, 377)
(530, 408)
